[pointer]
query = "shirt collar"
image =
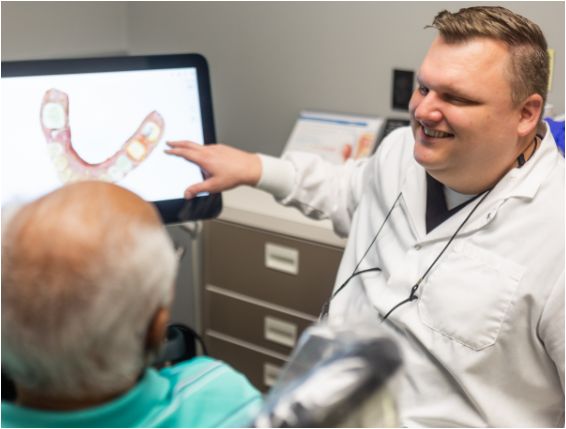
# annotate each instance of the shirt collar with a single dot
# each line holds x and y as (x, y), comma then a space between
(127, 410)
(518, 182)
(525, 181)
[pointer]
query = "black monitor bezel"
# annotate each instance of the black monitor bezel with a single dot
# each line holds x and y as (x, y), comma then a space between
(171, 211)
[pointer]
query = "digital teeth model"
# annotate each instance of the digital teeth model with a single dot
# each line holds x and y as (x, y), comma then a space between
(70, 166)
(436, 134)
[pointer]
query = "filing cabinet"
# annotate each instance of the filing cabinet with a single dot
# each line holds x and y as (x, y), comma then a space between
(261, 290)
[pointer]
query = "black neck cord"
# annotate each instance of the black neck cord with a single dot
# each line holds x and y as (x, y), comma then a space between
(521, 158)
(326, 305)
(416, 286)
(376, 234)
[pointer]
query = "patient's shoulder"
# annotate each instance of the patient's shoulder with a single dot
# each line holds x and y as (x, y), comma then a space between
(210, 393)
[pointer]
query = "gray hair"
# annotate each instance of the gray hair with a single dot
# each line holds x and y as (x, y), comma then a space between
(76, 325)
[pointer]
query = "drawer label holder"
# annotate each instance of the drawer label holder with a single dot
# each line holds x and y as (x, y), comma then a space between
(280, 331)
(282, 258)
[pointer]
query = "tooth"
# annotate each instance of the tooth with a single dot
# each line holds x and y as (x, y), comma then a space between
(61, 163)
(54, 149)
(53, 116)
(136, 150)
(434, 133)
(74, 178)
(115, 173)
(124, 164)
(65, 175)
(151, 131)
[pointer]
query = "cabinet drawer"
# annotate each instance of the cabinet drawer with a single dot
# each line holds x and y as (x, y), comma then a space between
(261, 369)
(289, 272)
(258, 323)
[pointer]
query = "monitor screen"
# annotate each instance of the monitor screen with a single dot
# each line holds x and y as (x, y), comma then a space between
(107, 119)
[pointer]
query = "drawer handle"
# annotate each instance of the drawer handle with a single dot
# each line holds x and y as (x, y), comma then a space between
(279, 331)
(270, 374)
(281, 258)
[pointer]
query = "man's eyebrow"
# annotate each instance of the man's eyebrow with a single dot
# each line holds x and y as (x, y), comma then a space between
(419, 80)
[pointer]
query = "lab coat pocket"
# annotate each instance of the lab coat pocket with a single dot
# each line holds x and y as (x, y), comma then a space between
(469, 295)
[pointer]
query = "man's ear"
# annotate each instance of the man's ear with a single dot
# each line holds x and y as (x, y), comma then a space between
(157, 329)
(530, 112)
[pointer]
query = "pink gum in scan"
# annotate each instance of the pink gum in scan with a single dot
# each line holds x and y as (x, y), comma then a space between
(71, 166)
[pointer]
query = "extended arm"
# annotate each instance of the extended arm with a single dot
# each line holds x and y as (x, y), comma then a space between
(317, 188)
(225, 166)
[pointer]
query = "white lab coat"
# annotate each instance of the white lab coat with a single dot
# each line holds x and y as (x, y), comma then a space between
(484, 343)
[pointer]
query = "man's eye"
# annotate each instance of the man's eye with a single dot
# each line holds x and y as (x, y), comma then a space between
(458, 100)
(423, 90)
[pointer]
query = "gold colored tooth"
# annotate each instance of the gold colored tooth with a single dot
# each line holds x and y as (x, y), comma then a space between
(53, 116)
(136, 150)
(151, 131)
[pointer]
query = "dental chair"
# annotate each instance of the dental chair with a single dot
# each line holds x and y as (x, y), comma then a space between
(181, 344)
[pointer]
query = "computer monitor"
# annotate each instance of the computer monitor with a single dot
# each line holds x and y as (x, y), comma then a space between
(107, 119)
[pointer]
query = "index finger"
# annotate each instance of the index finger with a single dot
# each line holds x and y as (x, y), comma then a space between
(183, 144)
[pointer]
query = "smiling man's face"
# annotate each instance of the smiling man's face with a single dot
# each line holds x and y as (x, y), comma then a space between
(463, 119)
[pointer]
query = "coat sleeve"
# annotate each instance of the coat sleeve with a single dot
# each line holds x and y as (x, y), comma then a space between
(319, 189)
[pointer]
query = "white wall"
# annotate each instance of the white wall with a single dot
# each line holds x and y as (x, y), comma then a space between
(37, 30)
(268, 60)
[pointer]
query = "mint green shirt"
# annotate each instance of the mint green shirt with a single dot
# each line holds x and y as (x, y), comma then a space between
(201, 392)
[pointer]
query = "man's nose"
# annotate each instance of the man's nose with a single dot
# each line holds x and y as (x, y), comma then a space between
(427, 108)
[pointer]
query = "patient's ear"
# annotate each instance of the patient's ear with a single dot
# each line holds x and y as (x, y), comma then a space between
(157, 329)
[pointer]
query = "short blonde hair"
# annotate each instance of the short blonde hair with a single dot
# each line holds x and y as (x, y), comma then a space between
(529, 68)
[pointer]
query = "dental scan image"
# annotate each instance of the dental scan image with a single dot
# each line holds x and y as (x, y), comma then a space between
(110, 125)
(71, 166)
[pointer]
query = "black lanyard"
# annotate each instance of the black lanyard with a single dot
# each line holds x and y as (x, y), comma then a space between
(412, 295)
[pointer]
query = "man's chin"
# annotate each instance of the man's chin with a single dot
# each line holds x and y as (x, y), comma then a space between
(424, 157)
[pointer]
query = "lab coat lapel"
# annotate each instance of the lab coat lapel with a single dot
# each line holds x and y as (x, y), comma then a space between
(517, 183)
(522, 183)
(483, 215)
(414, 200)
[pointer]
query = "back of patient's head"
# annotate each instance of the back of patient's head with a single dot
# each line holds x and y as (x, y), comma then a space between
(84, 269)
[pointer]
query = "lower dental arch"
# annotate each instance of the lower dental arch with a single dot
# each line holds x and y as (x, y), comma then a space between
(70, 166)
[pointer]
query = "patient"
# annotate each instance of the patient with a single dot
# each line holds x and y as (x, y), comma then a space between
(87, 281)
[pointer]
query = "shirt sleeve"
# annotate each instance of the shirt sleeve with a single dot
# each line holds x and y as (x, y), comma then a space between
(551, 327)
(318, 188)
